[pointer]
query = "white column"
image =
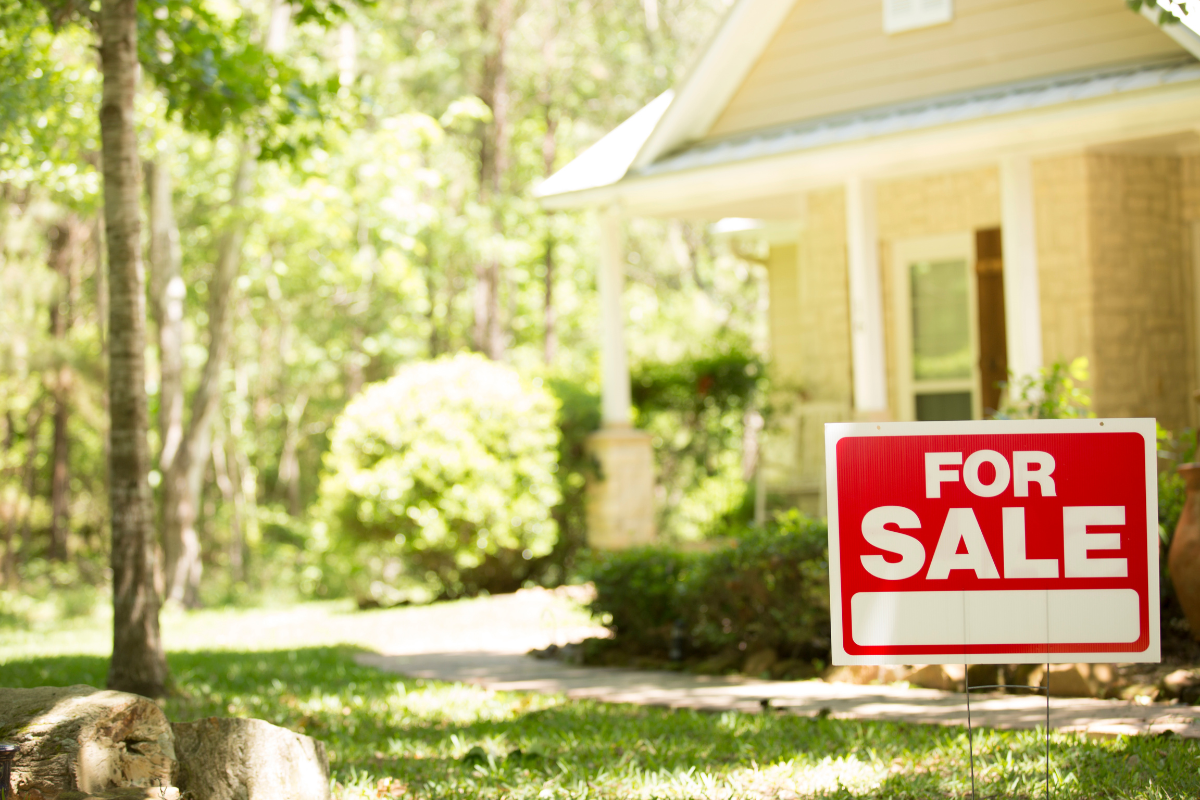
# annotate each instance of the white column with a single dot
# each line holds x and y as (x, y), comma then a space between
(866, 301)
(1022, 299)
(614, 364)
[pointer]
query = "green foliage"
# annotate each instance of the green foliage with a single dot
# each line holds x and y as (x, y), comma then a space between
(640, 593)
(450, 467)
(391, 736)
(578, 418)
(696, 408)
(1173, 15)
(768, 587)
(1054, 393)
(1172, 492)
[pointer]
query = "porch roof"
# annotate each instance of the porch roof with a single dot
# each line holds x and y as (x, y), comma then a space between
(644, 188)
(928, 113)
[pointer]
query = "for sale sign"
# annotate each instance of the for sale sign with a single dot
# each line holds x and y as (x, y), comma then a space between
(993, 542)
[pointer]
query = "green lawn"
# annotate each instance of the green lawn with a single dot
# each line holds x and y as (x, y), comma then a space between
(395, 737)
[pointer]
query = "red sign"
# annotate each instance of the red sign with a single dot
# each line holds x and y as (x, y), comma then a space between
(993, 542)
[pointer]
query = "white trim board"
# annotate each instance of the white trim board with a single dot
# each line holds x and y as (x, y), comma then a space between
(1063, 128)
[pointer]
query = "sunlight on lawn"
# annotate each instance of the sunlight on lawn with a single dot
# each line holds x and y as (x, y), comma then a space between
(395, 737)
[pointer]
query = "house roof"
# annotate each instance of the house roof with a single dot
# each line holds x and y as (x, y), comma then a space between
(660, 139)
(914, 116)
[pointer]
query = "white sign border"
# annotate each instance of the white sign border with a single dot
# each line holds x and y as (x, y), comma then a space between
(1146, 427)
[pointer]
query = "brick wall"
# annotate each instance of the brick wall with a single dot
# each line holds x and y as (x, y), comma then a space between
(783, 314)
(824, 300)
(1144, 365)
(1060, 187)
(932, 205)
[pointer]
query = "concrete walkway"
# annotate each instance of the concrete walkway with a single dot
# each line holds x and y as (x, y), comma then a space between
(510, 671)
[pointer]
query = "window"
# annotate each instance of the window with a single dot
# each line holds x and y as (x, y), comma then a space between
(935, 314)
(907, 15)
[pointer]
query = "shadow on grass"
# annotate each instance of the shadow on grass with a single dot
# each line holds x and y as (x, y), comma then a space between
(435, 739)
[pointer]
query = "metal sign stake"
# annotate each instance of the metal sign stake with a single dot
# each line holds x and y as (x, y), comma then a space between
(968, 688)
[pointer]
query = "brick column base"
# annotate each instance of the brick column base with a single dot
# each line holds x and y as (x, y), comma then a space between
(620, 500)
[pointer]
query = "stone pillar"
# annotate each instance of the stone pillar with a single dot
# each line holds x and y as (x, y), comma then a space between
(620, 497)
(620, 500)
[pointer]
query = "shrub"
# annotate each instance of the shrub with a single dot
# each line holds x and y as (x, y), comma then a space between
(696, 410)
(578, 418)
(1054, 393)
(769, 587)
(640, 593)
(447, 473)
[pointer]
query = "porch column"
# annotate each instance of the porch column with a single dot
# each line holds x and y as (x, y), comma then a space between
(866, 301)
(614, 363)
(620, 498)
(1022, 303)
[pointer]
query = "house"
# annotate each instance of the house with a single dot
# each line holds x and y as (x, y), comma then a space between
(950, 189)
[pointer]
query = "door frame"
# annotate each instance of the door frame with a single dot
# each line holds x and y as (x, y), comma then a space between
(946, 247)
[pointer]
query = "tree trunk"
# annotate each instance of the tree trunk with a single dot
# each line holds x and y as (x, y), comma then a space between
(81, 738)
(289, 463)
(495, 24)
(167, 293)
(185, 478)
(33, 429)
(138, 663)
(66, 249)
(549, 154)
(10, 502)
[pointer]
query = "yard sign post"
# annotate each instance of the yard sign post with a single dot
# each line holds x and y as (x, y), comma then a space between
(994, 542)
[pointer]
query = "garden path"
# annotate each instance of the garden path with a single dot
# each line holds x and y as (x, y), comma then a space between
(488, 647)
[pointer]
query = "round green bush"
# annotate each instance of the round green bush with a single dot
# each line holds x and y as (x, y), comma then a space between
(445, 476)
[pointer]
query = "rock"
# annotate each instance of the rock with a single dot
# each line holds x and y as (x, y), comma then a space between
(866, 674)
(1182, 684)
(1019, 675)
(760, 661)
(946, 677)
(1140, 693)
(1065, 680)
(983, 674)
(129, 793)
(248, 759)
(85, 739)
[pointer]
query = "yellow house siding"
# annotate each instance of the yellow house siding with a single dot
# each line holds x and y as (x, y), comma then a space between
(1191, 187)
(829, 58)
(1142, 291)
(783, 314)
(1064, 257)
(951, 202)
(825, 300)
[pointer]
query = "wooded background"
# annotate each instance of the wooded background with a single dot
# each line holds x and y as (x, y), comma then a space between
(306, 197)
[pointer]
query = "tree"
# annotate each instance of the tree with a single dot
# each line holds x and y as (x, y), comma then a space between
(138, 663)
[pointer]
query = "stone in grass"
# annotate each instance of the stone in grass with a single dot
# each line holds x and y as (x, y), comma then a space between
(128, 793)
(248, 759)
(84, 739)
(1183, 685)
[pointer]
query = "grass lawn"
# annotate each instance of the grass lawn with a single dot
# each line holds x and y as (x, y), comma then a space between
(395, 737)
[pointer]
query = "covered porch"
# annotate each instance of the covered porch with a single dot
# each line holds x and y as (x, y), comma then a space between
(919, 253)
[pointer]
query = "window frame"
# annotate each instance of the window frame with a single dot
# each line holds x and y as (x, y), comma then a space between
(947, 247)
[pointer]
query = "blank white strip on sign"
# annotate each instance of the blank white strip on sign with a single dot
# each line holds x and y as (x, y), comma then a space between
(1060, 616)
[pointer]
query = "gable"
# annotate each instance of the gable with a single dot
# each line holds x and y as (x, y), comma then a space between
(832, 56)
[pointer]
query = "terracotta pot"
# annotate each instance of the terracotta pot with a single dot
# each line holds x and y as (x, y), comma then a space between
(1183, 560)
